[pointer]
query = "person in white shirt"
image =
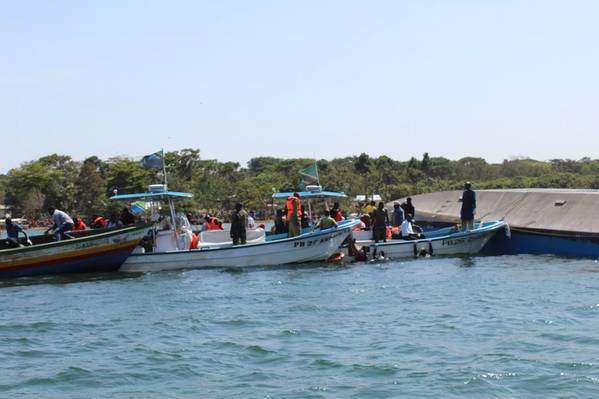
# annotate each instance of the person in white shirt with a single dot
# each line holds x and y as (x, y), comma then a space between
(251, 220)
(62, 223)
(407, 231)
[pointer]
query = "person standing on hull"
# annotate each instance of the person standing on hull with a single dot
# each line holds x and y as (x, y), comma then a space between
(294, 215)
(468, 207)
(380, 222)
(239, 220)
(62, 224)
(408, 207)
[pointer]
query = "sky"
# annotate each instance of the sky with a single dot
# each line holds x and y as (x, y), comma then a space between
(311, 78)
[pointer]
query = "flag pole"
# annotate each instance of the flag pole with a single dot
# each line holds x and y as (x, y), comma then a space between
(164, 179)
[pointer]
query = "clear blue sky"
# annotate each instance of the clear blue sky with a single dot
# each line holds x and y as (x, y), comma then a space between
(319, 78)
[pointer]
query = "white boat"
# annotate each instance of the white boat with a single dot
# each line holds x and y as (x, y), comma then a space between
(171, 248)
(442, 242)
(318, 245)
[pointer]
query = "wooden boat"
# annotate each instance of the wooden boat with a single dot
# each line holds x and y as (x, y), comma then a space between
(102, 252)
(441, 242)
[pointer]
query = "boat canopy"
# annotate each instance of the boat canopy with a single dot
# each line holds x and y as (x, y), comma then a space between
(310, 194)
(161, 194)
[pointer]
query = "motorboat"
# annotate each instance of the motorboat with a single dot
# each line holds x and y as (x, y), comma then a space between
(170, 247)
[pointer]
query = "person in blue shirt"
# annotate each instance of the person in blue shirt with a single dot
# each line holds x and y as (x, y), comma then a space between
(398, 215)
(468, 207)
(12, 233)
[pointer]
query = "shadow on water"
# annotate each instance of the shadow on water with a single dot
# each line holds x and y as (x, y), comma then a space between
(67, 279)
(467, 261)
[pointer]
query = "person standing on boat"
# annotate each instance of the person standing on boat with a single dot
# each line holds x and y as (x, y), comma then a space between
(239, 220)
(279, 227)
(468, 207)
(380, 222)
(398, 215)
(408, 207)
(12, 233)
(62, 224)
(294, 215)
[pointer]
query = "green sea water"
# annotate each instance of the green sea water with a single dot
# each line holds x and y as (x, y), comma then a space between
(480, 327)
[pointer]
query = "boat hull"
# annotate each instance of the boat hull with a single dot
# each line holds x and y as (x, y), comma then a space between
(315, 246)
(104, 252)
(457, 243)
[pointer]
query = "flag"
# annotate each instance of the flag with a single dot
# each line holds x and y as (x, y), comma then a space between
(138, 207)
(153, 161)
(310, 173)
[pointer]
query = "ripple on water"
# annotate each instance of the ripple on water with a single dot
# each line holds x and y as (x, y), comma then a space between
(437, 327)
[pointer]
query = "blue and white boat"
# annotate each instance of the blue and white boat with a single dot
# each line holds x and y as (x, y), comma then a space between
(446, 241)
(171, 251)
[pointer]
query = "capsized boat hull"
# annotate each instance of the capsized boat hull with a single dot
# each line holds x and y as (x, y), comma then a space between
(104, 252)
(314, 246)
(442, 242)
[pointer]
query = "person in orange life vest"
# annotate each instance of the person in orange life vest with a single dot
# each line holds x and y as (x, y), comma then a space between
(294, 215)
(78, 224)
(98, 222)
(212, 223)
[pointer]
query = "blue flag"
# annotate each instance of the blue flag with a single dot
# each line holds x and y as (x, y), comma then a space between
(153, 161)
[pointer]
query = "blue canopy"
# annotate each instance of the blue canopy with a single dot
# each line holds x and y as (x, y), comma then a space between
(174, 194)
(310, 194)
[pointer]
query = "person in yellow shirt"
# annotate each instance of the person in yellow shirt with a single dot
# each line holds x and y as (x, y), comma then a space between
(370, 208)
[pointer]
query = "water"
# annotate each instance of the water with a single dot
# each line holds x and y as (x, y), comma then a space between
(482, 327)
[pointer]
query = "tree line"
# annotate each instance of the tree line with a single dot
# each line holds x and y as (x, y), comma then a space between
(84, 187)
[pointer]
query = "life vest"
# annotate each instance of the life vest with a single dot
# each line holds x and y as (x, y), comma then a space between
(80, 225)
(213, 224)
(290, 201)
(338, 216)
(99, 222)
(195, 240)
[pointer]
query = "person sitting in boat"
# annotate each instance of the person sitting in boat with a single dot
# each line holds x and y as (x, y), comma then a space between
(238, 225)
(279, 226)
(98, 222)
(251, 220)
(12, 234)
(336, 212)
(381, 220)
(114, 221)
(326, 222)
(62, 224)
(127, 217)
(78, 224)
(211, 223)
(407, 230)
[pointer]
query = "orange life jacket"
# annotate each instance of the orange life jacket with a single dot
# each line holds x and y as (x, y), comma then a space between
(290, 201)
(213, 224)
(99, 222)
(79, 226)
(195, 240)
